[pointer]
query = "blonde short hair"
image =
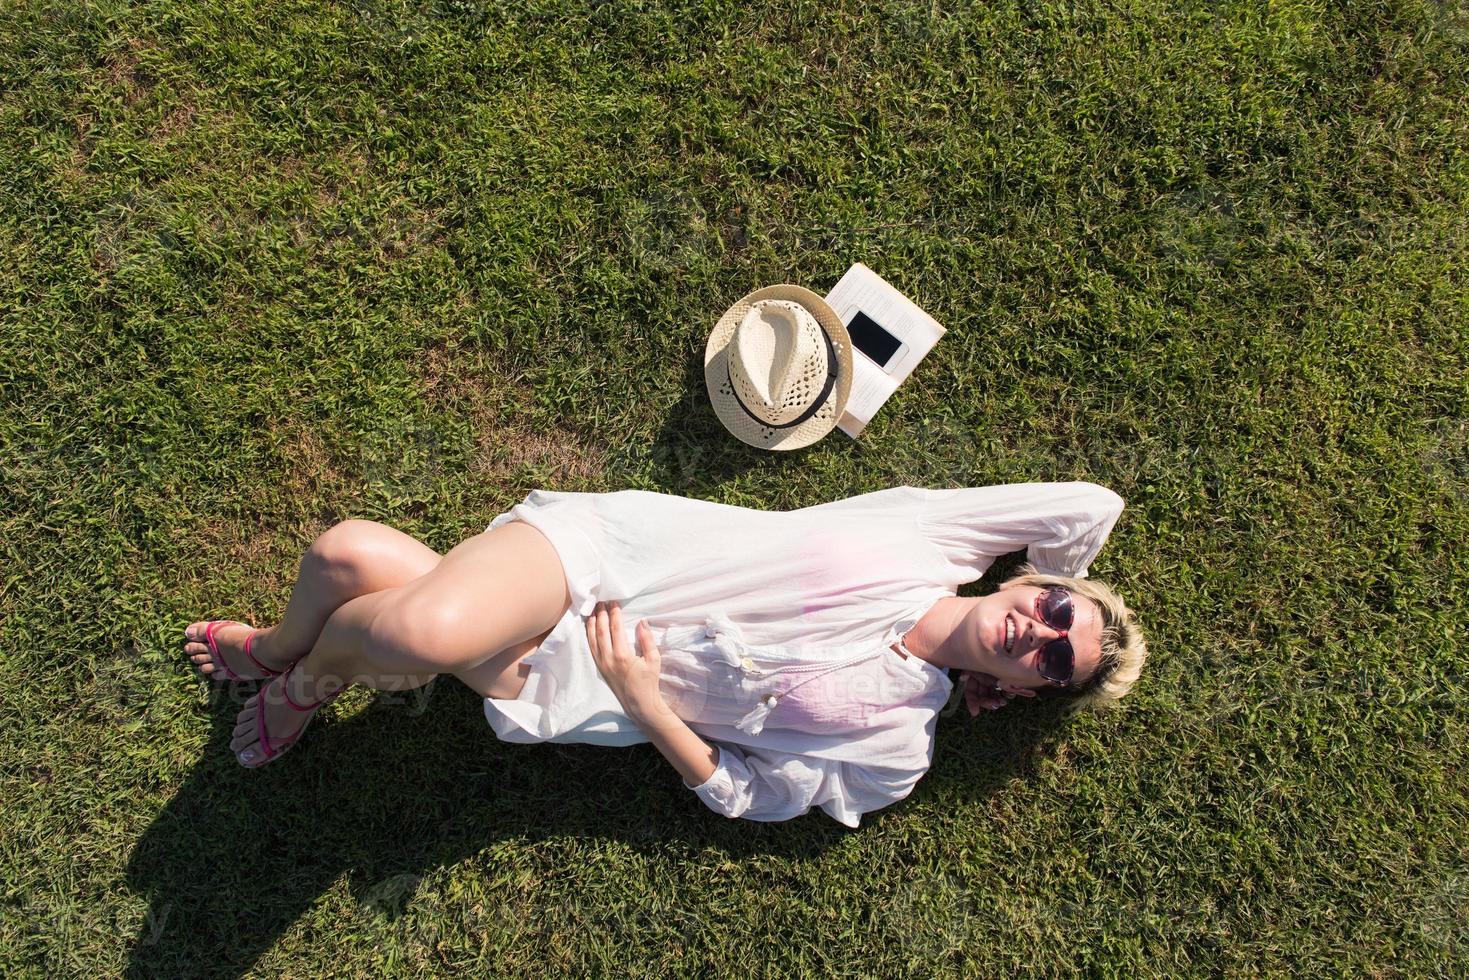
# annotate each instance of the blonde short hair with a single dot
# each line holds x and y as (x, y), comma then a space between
(1124, 651)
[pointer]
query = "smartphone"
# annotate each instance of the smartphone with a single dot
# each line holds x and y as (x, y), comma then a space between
(874, 340)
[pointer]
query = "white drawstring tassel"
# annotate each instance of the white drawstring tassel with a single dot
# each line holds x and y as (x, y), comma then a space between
(725, 635)
(754, 722)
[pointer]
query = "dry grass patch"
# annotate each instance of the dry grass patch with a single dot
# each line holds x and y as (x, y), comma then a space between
(175, 123)
(223, 547)
(511, 443)
(556, 453)
(122, 71)
(295, 503)
(316, 487)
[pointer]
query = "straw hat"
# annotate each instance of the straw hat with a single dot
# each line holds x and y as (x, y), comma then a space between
(779, 368)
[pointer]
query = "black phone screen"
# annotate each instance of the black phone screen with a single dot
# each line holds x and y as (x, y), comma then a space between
(872, 339)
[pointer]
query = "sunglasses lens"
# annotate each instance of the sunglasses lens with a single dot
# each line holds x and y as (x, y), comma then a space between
(1057, 661)
(1055, 609)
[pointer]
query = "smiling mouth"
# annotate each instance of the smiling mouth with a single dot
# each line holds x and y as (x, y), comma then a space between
(1009, 634)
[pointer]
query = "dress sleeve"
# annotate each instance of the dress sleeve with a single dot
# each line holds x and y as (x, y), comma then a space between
(759, 784)
(1061, 526)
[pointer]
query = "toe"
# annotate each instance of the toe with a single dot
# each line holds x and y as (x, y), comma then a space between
(247, 713)
(245, 742)
(247, 752)
(242, 738)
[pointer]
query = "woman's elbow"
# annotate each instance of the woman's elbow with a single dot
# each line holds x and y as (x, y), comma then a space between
(1106, 503)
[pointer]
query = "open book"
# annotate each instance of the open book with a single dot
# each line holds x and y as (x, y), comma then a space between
(890, 335)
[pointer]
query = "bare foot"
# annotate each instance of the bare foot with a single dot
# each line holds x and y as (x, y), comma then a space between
(230, 639)
(283, 724)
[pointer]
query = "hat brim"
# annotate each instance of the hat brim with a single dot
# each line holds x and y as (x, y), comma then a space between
(727, 405)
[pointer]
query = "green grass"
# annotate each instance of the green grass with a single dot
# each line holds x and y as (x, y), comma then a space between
(269, 266)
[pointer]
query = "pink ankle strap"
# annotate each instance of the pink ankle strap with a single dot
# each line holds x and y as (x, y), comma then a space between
(263, 737)
(290, 703)
(269, 671)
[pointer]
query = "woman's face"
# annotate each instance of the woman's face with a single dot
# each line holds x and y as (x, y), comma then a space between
(1009, 634)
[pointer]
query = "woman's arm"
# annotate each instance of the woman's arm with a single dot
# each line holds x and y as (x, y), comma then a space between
(634, 680)
(694, 758)
(1061, 526)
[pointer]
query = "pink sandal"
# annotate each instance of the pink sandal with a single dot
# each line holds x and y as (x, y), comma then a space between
(220, 667)
(275, 751)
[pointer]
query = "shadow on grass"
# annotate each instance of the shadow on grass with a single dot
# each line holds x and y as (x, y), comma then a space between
(694, 454)
(238, 858)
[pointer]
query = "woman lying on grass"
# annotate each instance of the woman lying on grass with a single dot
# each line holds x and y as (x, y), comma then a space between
(784, 658)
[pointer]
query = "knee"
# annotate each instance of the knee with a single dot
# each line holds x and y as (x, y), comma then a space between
(346, 551)
(419, 632)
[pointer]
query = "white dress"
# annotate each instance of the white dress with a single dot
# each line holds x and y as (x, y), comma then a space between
(775, 627)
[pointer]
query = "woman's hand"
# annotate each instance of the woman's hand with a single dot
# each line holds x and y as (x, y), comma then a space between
(633, 678)
(984, 691)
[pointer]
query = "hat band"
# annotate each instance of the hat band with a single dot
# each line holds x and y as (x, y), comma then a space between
(831, 380)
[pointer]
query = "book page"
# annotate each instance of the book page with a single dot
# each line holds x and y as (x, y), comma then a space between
(863, 291)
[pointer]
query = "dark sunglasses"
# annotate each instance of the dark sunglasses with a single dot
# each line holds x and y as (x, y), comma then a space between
(1057, 660)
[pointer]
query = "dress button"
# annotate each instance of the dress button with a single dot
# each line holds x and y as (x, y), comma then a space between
(747, 663)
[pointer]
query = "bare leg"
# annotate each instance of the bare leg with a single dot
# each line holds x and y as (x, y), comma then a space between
(492, 597)
(351, 559)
